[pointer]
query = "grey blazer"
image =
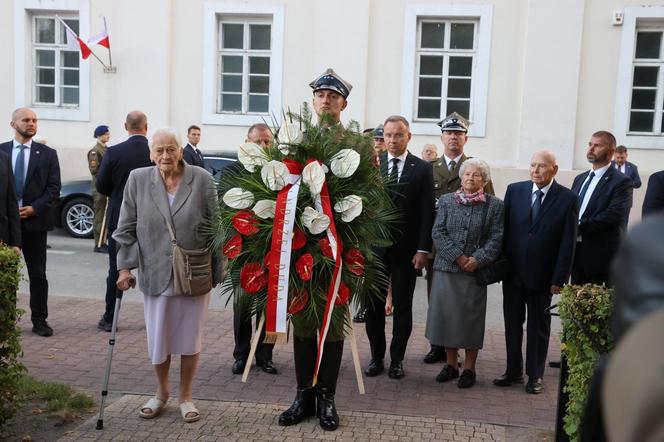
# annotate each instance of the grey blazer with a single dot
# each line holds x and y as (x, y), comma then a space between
(142, 235)
(457, 231)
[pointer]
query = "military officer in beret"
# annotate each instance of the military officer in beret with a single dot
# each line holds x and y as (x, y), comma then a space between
(446, 179)
(95, 155)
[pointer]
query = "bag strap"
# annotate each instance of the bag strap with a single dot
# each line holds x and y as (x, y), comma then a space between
(170, 231)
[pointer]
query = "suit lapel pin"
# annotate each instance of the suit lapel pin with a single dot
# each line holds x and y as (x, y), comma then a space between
(36, 152)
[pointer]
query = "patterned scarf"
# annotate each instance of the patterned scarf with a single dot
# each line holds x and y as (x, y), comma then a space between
(460, 197)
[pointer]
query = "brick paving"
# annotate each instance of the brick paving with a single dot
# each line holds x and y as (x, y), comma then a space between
(76, 355)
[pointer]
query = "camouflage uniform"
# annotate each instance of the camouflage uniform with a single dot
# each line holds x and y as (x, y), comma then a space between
(94, 161)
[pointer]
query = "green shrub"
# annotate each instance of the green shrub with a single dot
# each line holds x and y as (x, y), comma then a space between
(11, 370)
(585, 312)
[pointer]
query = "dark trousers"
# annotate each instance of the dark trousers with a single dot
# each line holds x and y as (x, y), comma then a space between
(517, 300)
(111, 279)
(34, 252)
(402, 275)
(304, 354)
(588, 267)
(242, 331)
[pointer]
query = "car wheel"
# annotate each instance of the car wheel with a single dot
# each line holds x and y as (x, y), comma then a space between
(77, 216)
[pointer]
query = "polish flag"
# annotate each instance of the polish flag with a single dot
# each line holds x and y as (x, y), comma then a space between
(74, 42)
(100, 39)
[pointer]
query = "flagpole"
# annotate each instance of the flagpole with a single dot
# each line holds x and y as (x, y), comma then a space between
(79, 38)
(110, 60)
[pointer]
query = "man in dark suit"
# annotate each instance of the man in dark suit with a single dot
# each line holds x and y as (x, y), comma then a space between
(654, 199)
(37, 182)
(10, 223)
(190, 152)
(413, 196)
(620, 162)
(605, 197)
(112, 176)
(541, 217)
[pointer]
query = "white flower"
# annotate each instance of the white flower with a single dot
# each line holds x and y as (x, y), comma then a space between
(290, 134)
(275, 175)
(315, 221)
(313, 176)
(283, 148)
(251, 155)
(345, 163)
(265, 209)
(238, 198)
(350, 207)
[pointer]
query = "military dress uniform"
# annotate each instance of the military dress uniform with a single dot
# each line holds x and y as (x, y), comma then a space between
(94, 161)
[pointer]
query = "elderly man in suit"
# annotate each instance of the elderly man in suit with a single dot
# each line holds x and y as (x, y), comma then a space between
(112, 176)
(191, 154)
(413, 196)
(10, 223)
(37, 181)
(540, 235)
(605, 197)
(654, 199)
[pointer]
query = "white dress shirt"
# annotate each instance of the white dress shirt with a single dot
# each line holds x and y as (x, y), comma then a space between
(400, 164)
(599, 173)
(545, 191)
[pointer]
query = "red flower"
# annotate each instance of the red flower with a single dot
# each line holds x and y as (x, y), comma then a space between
(304, 266)
(233, 247)
(325, 247)
(267, 260)
(298, 302)
(245, 222)
(253, 277)
(355, 262)
(299, 239)
(344, 293)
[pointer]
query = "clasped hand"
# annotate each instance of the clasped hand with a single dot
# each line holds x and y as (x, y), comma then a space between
(467, 264)
(126, 280)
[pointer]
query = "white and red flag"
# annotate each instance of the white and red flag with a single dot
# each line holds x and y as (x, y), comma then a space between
(100, 39)
(74, 41)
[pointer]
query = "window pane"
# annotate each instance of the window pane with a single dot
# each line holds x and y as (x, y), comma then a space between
(462, 107)
(232, 36)
(258, 103)
(231, 63)
(458, 88)
(45, 94)
(70, 59)
(643, 99)
(45, 58)
(73, 25)
(69, 95)
(69, 77)
(641, 121)
(433, 35)
(231, 83)
(260, 36)
(461, 66)
(645, 75)
(462, 36)
(45, 32)
(231, 103)
(431, 65)
(259, 65)
(46, 76)
(648, 44)
(428, 108)
(259, 84)
(431, 87)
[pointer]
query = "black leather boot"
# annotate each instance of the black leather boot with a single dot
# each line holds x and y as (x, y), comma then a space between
(326, 410)
(303, 407)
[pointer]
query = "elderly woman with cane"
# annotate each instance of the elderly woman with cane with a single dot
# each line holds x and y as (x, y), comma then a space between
(467, 235)
(164, 207)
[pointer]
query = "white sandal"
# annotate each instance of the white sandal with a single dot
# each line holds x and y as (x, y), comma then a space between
(188, 407)
(155, 405)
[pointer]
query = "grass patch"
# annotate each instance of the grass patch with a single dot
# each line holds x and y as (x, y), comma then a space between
(59, 398)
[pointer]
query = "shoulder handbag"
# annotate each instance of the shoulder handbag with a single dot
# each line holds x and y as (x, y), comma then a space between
(497, 270)
(192, 269)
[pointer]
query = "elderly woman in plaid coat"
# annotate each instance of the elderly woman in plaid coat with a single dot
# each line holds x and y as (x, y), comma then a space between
(467, 235)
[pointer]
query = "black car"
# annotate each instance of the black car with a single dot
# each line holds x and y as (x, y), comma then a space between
(75, 209)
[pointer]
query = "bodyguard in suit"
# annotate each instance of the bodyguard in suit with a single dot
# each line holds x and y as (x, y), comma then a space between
(413, 196)
(37, 182)
(10, 223)
(620, 163)
(654, 199)
(605, 197)
(116, 165)
(541, 217)
(190, 152)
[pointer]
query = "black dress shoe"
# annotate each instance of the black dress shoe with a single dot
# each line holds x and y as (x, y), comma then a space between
(467, 379)
(506, 381)
(41, 328)
(326, 410)
(534, 386)
(267, 367)
(238, 366)
(105, 325)
(396, 370)
(302, 407)
(374, 368)
(554, 364)
(436, 354)
(447, 373)
(102, 249)
(360, 316)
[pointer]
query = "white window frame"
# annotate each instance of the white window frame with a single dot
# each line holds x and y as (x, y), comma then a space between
(24, 70)
(211, 78)
(634, 17)
(480, 78)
